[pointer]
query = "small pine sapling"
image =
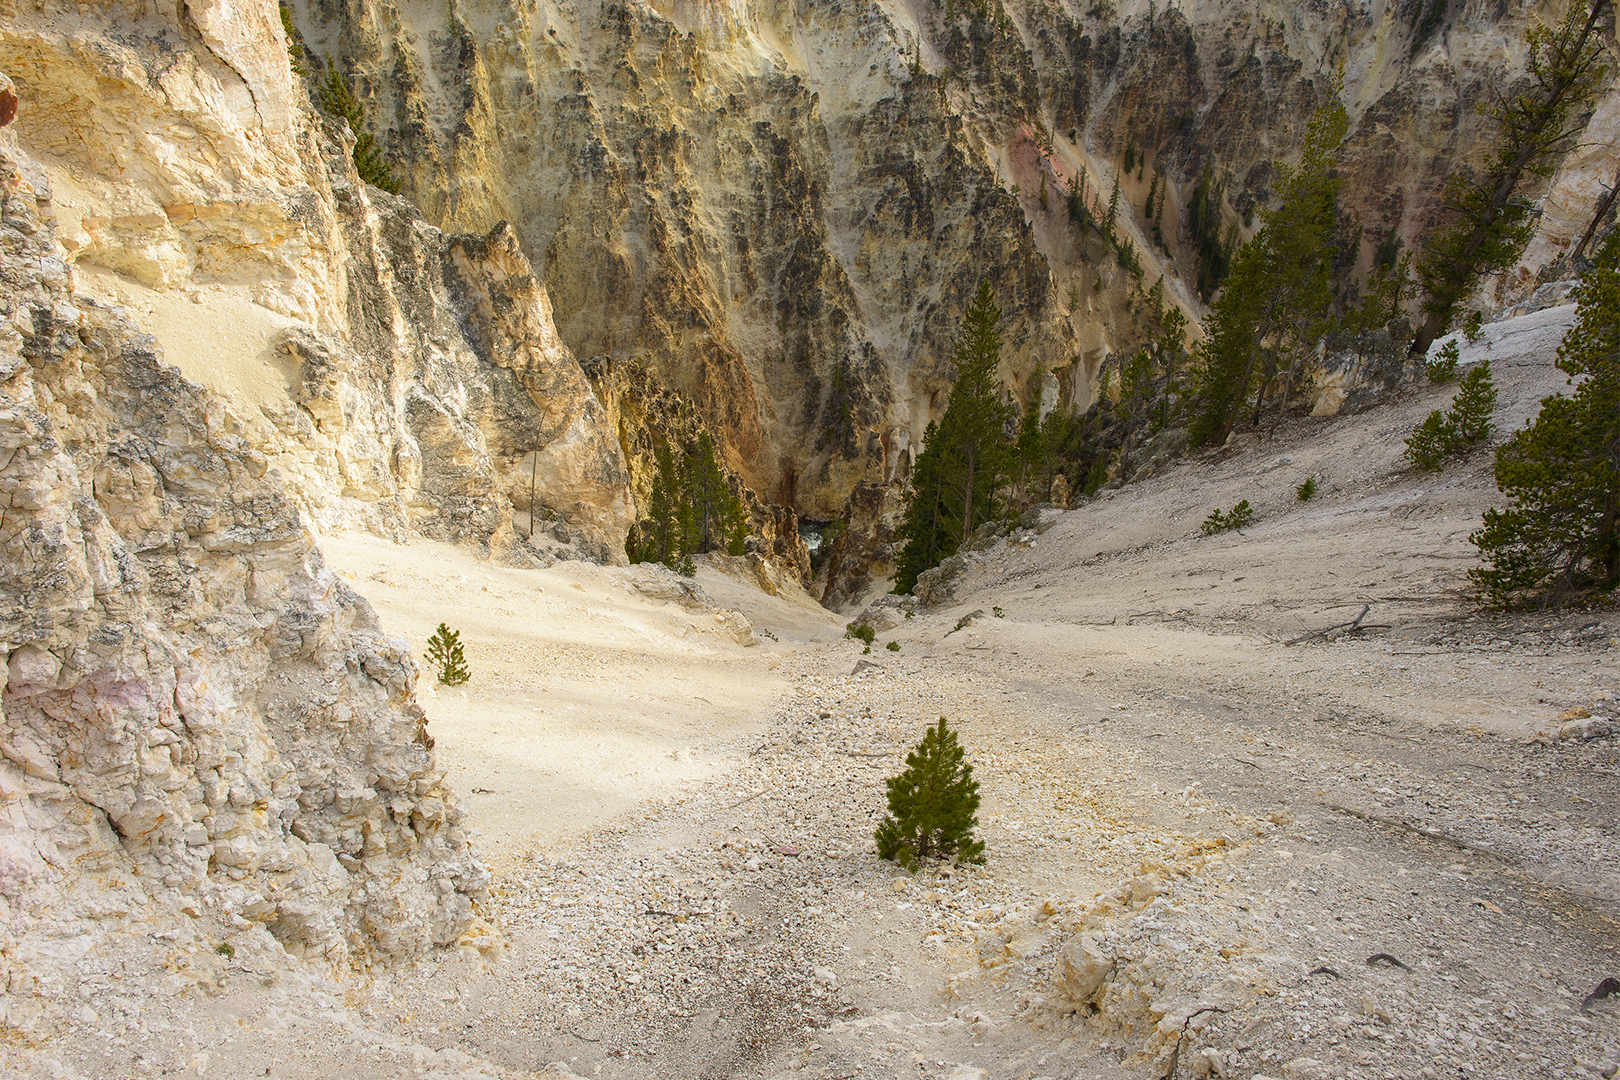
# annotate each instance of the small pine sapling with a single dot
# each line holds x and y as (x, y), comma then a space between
(893, 646)
(1465, 424)
(1430, 443)
(1221, 520)
(1474, 328)
(862, 632)
(1306, 491)
(1476, 401)
(444, 651)
(1443, 368)
(933, 805)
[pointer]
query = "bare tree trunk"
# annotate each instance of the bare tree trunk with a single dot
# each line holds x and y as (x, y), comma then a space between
(1597, 219)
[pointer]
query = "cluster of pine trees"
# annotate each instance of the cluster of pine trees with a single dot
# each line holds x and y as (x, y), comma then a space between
(691, 509)
(1279, 295)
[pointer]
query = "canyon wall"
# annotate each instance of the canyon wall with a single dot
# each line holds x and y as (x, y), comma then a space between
(781, 207)
(398, 377)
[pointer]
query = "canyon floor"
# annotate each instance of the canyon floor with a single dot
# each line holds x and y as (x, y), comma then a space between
(1292, 854)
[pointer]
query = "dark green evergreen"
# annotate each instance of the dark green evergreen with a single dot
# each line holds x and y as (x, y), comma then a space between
(1235, 519)
(965, 456)
(716, 521)
(338, 101)
(1560, 533)
(1443, 368)
(1430, 443)
(933, 805)
(1276, 303)
(1465, 425)
(1472, 408)
(691, 508)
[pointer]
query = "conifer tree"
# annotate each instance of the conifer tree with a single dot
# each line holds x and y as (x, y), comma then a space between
(933, 805)
(1488, 218)
(1275, 306)
(1471, 409)
(664, 529)
(1560, 532)
(444, 651)
(964, 457)
(716, 520)
(1466, 424)
(338, 101)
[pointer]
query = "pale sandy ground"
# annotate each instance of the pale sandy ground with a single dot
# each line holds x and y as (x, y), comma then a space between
(587, 696)
(681, 825)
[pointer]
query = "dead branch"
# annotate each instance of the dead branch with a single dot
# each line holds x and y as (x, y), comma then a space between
(1354, 626)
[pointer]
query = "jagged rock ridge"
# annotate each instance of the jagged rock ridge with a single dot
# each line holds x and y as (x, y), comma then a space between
(194, 714)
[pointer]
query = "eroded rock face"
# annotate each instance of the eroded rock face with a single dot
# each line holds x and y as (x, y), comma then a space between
(194, 711)
(782, 207)
(399, 378)
(767, 203)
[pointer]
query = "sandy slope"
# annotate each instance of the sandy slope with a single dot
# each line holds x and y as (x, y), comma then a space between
(588, 695)
(681, 823)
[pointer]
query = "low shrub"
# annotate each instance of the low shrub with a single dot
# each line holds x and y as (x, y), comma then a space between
(1235, 519)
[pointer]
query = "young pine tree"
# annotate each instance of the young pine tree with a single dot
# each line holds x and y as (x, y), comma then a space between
(1471, 409)
(1560, 533)
(444, 652)
(1466, 424)
(965, 457)
(663, 532)
(1431, 443)
(338, 101)
(716, 520)
(932, 805)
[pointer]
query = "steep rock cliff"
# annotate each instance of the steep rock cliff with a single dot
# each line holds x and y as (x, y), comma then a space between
(398, 377)
(783, 206)
(773, 206)
(194, 714)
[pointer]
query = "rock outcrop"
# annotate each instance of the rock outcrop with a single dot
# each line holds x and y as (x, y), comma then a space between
(194, 714)
(399, 378)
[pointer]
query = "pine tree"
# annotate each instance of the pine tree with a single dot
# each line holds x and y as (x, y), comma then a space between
(928, 540)
(1431, 443)
(932, 805)
(1488, 219)
(663, 531)
(338, 101)
(1560, 533)
(444, 651)
(964, 458)
(1275, 306)
(1475, 402)
(1464, 425)
(716, 520)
